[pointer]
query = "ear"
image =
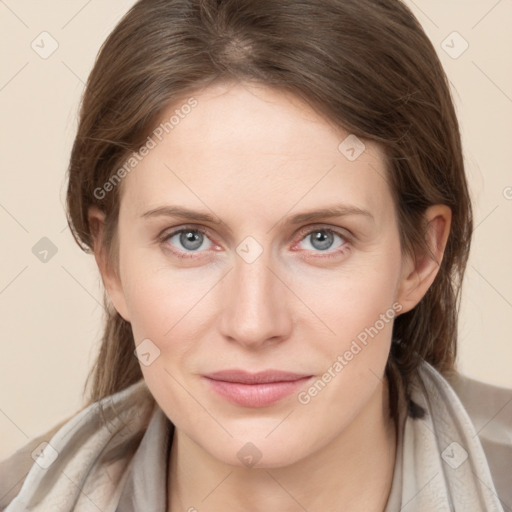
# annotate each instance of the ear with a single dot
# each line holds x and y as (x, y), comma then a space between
(419, 270)
(109, 272)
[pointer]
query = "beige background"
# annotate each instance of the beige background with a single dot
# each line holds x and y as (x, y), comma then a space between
(51, 311)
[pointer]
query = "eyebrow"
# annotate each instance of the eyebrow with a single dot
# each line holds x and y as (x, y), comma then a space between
(178, 211)
(339, 210)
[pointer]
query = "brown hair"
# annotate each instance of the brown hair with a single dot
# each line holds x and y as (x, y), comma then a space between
(366, 65)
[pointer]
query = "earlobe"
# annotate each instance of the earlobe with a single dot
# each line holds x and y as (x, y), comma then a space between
(109, 274)
(420, 270)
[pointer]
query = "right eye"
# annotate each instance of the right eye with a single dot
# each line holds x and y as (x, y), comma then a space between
(188, 240)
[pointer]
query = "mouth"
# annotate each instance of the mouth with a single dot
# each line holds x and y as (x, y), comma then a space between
(255, 389)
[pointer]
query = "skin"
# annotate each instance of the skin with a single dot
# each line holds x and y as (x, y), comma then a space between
(253, 157)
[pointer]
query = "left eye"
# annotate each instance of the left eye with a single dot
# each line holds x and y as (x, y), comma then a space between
(323, 239)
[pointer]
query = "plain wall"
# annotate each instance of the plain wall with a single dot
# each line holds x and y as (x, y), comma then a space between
(51, 311)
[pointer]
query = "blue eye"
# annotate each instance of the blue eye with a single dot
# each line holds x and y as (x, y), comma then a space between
(190, 242)
(190, 239)
(323, 239)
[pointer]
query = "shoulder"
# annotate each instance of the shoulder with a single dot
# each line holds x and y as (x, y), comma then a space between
(15, 468)
(105, 432)
(490, 410)
(489, 406)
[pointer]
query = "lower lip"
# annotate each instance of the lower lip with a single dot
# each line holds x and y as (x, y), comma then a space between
(256, 395)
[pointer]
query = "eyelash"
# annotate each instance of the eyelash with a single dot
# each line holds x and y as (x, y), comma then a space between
(302, 235)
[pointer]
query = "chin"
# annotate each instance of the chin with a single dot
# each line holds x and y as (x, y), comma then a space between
(264, 454)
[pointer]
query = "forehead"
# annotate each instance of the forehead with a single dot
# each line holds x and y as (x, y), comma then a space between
(254, 148)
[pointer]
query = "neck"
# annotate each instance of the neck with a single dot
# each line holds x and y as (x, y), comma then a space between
(355, 469)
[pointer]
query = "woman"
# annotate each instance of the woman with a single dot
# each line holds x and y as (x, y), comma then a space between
(275, 196)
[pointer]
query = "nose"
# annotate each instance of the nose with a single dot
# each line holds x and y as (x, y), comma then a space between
(256, 305)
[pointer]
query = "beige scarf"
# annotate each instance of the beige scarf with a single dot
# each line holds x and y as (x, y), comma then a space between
(86, 465)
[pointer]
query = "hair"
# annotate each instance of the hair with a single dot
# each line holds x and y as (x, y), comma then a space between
(365, 65)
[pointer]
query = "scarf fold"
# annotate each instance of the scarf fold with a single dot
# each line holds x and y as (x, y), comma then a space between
(444, 465)
(93, 453)
(120, 465)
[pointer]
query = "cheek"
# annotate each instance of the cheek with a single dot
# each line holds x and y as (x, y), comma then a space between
(358, 305)
(162, 300)
(360, 308)
(352, 298)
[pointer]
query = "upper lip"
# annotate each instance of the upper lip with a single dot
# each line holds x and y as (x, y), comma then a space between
(263, 377)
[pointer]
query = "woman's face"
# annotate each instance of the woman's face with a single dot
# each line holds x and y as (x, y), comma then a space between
(264, 284)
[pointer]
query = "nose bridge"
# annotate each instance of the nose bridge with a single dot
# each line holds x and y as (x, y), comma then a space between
(256, 308)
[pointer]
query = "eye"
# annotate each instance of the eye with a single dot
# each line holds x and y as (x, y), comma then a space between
(188, 240)
(323, 240)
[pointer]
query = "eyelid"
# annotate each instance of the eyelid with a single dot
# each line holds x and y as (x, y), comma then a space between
(338, 230)
(305, 230)
(169, 232)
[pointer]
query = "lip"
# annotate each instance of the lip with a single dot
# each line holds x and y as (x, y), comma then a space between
(259, 389)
